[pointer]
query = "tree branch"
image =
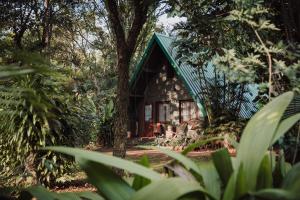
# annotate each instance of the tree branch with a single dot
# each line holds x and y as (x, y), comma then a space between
(117, 27)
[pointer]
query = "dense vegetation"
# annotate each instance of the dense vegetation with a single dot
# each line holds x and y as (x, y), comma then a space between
(64, 81)
(257, 174)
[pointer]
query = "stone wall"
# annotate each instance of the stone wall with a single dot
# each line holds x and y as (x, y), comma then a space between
(162, 88)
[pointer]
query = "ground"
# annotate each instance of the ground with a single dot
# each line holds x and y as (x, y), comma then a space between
(76, 181)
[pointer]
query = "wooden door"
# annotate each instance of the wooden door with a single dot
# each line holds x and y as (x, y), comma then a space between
(148, 119)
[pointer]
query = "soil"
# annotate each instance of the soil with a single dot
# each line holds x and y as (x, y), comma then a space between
(156, 158)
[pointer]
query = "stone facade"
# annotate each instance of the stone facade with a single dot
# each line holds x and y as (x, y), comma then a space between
(162, 88)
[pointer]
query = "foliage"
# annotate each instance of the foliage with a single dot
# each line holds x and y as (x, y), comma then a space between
(258, 174)
(105, 135)
(200, 38)
(34, 114)
(268, 61)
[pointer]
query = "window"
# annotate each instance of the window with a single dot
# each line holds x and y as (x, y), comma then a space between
(148, 113)
(163, 112)
(170, 72)
(188, 111)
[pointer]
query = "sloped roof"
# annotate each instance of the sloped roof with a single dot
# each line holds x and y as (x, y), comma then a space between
(189, 75)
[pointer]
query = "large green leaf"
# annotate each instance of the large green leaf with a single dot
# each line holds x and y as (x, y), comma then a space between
(89, 195)
(240, 188)
(284, 126)
(275, 194)
(292, 179)
(280, 170)
(195, 145)
(139, 181)
(40, 193)
(171, 189)
(236, 186)
(264, 178)
(180, 171)
(211, 179)
(110, 185)
(223, 164)
(185, 161)
(68, 196)
(229, 191)
(108, 160)
(15, 72)
(258, 135)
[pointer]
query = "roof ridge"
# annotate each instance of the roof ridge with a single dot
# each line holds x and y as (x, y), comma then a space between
(163, 35)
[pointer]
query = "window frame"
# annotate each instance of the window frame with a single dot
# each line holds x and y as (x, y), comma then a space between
(151, 119)
(180, 110)
(157, 111)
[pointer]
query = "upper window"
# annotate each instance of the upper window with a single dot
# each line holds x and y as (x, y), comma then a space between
(188, 111)
(170, 72)
(163, 112)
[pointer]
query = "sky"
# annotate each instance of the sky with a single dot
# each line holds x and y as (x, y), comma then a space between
(169, 22)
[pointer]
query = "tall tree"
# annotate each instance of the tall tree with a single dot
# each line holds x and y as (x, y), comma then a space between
(126, 20)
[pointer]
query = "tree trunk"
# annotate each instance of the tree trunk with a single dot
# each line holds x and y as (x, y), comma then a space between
(120, 126)
(18, 41)
(46, 25)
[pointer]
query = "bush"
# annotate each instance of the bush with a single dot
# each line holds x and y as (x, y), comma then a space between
(34, 114)
(255, 173)
(105, 136)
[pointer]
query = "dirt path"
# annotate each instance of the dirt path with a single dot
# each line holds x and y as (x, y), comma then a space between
(156, 158)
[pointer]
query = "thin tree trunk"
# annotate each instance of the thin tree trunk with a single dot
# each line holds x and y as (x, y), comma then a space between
(18, 40)
(46, 25)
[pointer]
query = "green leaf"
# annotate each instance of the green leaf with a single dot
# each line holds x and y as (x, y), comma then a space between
(68, 196)
(229, 191)
(223, 164)
(259, 134)
(185, 161)
(211, 179)
(280, 170)
(236, 186)
(240, 188)
(180, 171)
(108, 160)
(110, 185)
(16, 72)
(89, 195)
(264, 178)
(193, 146)
(171, 189)
(292, 179)
(275, 194)
(41, 193)
(284, 126)
(139, 181)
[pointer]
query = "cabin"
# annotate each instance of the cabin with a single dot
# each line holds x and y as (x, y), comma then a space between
(164, 93)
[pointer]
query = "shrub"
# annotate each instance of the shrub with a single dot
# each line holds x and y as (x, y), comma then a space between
(32, 116)
(105, 135)
(255, 173)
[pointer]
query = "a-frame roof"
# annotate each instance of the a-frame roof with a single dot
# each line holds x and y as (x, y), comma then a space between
(188, 74)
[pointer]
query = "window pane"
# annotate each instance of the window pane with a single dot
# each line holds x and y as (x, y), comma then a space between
(163, 112)
(189, 110)
(194, 110)
(185, 111)
(148, 113)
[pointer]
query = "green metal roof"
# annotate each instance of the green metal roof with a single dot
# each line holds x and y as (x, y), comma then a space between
(189, 75)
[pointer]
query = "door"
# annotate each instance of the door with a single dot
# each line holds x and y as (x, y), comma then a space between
(148, 119)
